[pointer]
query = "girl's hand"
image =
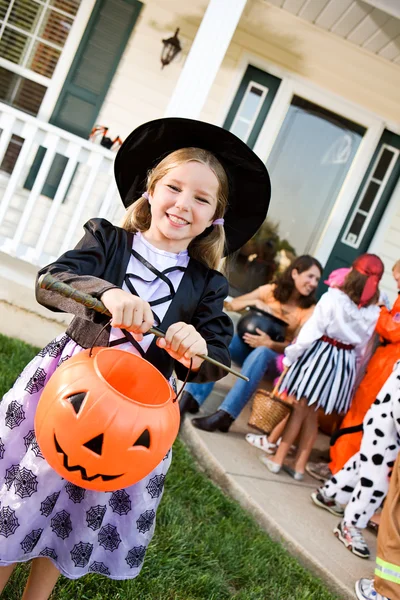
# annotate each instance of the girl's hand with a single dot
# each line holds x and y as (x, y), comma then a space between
(128, 311)
(183, 342)
(255, 341)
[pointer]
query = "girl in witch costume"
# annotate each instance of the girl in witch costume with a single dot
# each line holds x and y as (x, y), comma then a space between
(323, 360)
(194, 192)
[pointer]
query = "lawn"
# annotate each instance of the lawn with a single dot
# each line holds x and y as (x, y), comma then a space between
(205, 547)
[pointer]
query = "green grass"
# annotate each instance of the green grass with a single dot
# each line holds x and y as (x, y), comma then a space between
(205, 547)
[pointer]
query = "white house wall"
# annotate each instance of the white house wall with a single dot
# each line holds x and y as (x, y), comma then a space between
(271, 39)
(387, 242)
(285, 44)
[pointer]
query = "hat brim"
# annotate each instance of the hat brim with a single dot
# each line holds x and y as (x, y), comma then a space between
(249, 182)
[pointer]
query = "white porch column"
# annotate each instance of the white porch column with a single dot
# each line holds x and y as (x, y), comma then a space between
(205, 57)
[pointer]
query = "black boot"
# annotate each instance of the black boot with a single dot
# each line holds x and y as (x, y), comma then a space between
(220, 420)
(188, 404)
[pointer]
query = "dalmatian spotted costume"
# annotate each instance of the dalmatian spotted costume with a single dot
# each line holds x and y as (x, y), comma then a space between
(363, 482)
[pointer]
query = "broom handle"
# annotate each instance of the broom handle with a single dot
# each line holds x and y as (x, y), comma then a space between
(48, 282)
(278, 383)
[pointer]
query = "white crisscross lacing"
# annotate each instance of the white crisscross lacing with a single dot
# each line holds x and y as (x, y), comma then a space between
(356, 536)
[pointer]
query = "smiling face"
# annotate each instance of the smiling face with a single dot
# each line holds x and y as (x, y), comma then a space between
(307, 281)
(183, 205)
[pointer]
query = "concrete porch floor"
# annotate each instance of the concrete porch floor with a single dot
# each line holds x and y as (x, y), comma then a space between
(281, 505)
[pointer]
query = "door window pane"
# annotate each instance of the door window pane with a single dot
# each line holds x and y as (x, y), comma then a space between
(248, 110)
(308, 164)
(355, 229)
(383, 164)
(370, 195)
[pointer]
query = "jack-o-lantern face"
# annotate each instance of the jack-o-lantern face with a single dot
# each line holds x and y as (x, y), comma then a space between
(105, 422)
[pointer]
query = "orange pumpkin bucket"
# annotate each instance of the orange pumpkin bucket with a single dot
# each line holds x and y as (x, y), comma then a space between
(106, 419)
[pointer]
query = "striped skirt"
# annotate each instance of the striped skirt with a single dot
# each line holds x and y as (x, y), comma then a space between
(325, 375)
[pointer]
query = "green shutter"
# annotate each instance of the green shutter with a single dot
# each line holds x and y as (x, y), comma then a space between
(94, 65)
(107, 33)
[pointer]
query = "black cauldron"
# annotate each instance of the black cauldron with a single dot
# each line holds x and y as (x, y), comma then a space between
(255, 318)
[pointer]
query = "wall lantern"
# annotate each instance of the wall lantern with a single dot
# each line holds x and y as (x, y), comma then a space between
(171, 47)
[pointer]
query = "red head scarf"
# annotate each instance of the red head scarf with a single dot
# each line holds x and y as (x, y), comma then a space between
(371, 266)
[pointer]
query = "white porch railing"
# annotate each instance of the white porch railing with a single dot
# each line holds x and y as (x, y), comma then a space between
(34, 227)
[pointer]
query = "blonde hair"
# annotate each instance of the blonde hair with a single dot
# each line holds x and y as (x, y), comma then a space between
(209, 249)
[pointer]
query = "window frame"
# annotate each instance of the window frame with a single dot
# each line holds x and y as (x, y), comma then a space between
(67, 52)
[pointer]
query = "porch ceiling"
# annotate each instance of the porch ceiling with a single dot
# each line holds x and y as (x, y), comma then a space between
(361, 23)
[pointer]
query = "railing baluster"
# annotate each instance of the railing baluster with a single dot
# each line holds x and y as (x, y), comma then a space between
(28, 133)
(109, 195)
(72, 154)
(6, 125)
(93, 163)
(31, 217)
(50, 143)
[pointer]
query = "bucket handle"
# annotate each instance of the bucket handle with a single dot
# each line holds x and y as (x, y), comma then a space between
(48, 282)
(187, 374)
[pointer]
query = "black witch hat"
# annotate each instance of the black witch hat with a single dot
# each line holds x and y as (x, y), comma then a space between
(249, 183)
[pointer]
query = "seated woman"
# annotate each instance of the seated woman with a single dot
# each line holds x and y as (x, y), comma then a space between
(292, 299)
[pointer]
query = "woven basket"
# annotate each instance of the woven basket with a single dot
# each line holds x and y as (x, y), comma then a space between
(268, 409)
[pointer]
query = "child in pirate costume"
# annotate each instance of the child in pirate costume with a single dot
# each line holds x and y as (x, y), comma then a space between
(194, 192)
(323, 360)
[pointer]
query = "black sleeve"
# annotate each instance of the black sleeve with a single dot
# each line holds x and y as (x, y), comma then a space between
(215, 327)
(82, 267)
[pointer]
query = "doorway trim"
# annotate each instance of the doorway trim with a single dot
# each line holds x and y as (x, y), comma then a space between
(293, 84)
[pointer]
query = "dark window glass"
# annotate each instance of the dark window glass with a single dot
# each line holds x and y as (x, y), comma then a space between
(369, 196)
(383, 164)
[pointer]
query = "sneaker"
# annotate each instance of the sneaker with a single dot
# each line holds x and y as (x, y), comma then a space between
(320, 471)
(320, 499)
(365, 590)
(353, 539)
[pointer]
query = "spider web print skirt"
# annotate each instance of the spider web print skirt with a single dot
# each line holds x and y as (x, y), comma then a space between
(325, 375)
(41, 514)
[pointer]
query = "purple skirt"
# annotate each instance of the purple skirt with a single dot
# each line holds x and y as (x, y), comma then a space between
(41, 514)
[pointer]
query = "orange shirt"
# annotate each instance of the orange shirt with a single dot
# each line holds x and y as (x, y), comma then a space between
(293, 315)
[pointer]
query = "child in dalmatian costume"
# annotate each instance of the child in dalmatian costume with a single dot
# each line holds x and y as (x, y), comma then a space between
(363, 482)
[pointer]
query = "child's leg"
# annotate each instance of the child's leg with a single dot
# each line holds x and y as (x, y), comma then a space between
(371, 488)
(277, 432)
(5, 573)
(342, 484)
(292, 430)
(42, 579)
(309, 432)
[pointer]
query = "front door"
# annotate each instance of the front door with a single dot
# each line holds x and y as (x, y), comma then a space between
(369, 205)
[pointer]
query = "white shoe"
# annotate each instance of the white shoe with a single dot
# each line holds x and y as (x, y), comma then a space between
(270, 464)
(365, 590)
(261, 442)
